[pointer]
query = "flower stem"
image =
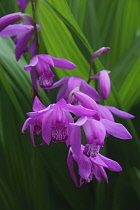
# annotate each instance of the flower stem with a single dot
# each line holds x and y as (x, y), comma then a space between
(90, 71)
(33, 3)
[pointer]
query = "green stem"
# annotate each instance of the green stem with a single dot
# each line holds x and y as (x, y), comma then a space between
(90, 71)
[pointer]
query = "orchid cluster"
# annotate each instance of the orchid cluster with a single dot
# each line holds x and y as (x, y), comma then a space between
(77, 106)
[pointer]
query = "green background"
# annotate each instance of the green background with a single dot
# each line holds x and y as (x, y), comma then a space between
(38, 178)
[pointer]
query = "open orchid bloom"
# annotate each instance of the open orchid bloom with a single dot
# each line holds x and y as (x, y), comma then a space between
(95, 132)
(69, 84)
(42, 64)
(55, 120)
(23, 32)
(22, 4)
(90, 164)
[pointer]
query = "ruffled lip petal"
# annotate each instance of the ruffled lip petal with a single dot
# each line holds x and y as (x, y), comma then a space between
(63, 63)
(116, 129)
(9, 19)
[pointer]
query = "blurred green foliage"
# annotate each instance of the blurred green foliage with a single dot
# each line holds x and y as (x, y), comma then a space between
(38, 178)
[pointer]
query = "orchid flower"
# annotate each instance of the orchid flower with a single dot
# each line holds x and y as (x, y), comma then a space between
(23, 32)
(69, 85)
(90, 166)
(42, 64)
(55, 120)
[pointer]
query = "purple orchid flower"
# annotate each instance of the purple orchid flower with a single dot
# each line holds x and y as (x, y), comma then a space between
(42, 64)
(90, 166)
(23, 32)
(96, 128)
(55, 120)
(104, 83)
(72, 84)
(22, 4)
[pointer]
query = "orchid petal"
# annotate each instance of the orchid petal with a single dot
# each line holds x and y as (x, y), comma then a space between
(37, 105)
(116, 129)
(120, 113)
(63, 63)
(40, 112)
(46, 127)
(97, 160)
(84, 165)
(105, 113)
(73, 82)
(60, 82)
(87, 102)
(103, 174)
(95, 132)
(33, 48)
(47, 59)
(71, 168)
(69, 119)
(27, 123)
(13, 30)
(80, 121)
(61, 103)
(33, 78)
(111, 164)
(75, 140)
(80, 111)
(33, 63)
(62, 93)
(96, 172)
(32, 134)
(9, 19)
(88, 90)
(22, 42)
